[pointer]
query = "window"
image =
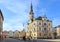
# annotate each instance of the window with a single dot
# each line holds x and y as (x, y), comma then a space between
(34, 35)
(39, 28)
(0, 23)
(32, 20)
(49, 28)
(44, 23)
(34, 29)
(39, 23)
(40, 34)
(44, 28)
(49, 34)
(45, 34)
(49, 24)
(34, 23)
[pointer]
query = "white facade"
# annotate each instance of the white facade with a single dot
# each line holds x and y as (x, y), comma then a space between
(11, 34)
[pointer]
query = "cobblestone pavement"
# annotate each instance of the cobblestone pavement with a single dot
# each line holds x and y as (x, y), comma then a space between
(11, 40)
(16, 40)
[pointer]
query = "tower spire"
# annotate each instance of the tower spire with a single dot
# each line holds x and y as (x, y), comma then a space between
(31, 8)
(31, 14)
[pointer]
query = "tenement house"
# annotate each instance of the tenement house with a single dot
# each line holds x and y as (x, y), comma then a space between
(1, 24)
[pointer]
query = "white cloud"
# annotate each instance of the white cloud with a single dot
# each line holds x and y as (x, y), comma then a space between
(18, 7)
(6, 26)
(19, 27)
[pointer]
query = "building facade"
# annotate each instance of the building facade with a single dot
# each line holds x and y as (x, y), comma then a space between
(38, 28)
(1, 24)
(5, 34)
(16, 34)
(22, 34)
(58, 31)
(11, 34)
(55, 32)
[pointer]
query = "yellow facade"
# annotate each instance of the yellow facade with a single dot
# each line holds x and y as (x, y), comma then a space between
(58, 30)
(16, 34)
(39, 27)
(36, 29)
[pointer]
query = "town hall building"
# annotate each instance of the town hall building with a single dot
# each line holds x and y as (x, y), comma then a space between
(38, 28)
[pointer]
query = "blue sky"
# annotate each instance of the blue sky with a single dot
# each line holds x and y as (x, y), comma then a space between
(16, 12)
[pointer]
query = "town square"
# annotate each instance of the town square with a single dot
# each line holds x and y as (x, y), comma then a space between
(29, 21)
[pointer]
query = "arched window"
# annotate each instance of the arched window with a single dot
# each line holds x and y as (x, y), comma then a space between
(45, 29)
(44, 23)
(39, 23)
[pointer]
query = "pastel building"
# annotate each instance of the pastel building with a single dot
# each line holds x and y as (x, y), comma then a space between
(5, 34)
(22, 34)
(16, 34)
(11, 34)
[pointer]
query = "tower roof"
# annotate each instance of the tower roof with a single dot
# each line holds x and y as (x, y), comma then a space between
(39, 18)
(1, 14)
(31, 9)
